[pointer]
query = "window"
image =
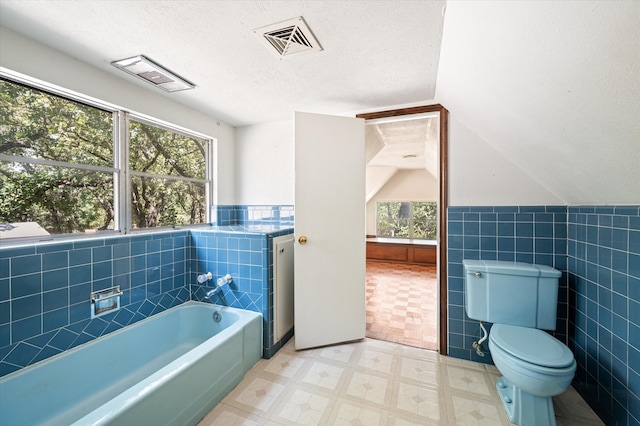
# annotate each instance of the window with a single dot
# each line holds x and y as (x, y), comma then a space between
(411, 219)
(61, 171)
(168, 184)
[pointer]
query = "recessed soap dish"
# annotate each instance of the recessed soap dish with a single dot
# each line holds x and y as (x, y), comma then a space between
(105, 301)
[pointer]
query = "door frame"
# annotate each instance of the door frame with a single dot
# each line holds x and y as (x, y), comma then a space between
(443, 171)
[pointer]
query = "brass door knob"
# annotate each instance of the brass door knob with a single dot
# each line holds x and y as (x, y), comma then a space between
(302, 240)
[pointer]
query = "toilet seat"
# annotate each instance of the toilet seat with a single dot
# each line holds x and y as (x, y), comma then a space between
(540, 350)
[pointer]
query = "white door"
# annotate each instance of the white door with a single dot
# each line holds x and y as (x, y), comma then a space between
(329, 286)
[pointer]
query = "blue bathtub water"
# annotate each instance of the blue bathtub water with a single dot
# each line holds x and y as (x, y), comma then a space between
(169, 369)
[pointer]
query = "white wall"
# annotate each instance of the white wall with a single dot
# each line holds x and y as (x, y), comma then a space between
(264, 172)
(25, 56)
(224, 179)
(409, 185)
(553, 88)
(480, 175)
(405, 185)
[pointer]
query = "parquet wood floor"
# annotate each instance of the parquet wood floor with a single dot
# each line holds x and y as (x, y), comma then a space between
(401, 304)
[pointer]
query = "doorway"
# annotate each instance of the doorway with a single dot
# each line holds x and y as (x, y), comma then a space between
(414, 276)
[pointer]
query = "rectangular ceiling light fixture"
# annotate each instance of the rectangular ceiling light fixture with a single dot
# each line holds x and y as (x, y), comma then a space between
(144, 68)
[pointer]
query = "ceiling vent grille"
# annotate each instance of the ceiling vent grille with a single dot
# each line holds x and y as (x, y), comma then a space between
(288, 37)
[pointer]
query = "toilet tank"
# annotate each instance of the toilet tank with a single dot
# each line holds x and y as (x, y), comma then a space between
(511, 293)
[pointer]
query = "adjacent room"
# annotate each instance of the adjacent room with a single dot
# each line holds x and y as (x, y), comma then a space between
(402, 194)
(320, 212)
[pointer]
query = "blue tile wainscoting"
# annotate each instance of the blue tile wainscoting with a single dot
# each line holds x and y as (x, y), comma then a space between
(532, 234)
(604, 333)
(248, 258)
(222, 215)
(45, 287)
(598, 250)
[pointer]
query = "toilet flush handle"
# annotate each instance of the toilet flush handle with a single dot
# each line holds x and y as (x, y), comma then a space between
(478, 274)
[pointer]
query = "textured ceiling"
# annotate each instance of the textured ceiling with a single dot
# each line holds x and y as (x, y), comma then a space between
(375, 54)
(405, 144)
(553, 87)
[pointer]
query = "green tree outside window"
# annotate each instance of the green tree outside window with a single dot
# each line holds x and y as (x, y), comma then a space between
(411, 219)
(58, 167)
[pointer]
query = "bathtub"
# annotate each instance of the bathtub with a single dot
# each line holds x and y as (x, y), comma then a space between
(169, 369)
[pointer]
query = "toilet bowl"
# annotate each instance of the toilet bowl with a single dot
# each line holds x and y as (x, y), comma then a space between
(535, 366)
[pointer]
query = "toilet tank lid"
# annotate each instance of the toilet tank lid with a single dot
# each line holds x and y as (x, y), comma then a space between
(510, 268)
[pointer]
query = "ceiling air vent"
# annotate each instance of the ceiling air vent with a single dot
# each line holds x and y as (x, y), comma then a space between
(288, 37)
(144, 68)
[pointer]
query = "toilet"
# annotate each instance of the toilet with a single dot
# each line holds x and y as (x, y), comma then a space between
(520, 299)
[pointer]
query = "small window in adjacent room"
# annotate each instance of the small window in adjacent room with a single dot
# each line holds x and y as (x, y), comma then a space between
(409, 219)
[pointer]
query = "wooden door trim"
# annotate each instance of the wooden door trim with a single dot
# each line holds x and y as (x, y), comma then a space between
(443, 159)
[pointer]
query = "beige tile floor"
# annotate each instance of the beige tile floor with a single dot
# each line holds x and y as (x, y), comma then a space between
(372, 382)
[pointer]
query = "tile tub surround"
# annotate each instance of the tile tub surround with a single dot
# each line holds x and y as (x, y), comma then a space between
(604, 297)
(247, 255)
(601, 299)
(44, 288)
(531, 234)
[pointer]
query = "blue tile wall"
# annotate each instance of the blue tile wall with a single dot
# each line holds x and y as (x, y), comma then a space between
(224, 215)
(598, 250)
(603, 244)
(532, 234)
(248, 257)
(267, 215)
(270, 221)
(45, 288)
(282, 215)
(242, 255)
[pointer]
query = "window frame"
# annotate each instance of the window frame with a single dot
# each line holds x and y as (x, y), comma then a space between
(120, 170)
(207, 181)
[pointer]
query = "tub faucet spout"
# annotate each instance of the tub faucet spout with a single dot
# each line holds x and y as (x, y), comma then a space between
(222, 281)
(211, 293)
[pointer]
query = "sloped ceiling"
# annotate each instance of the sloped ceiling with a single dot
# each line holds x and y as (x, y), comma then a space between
(405, 144)
(552, 86)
